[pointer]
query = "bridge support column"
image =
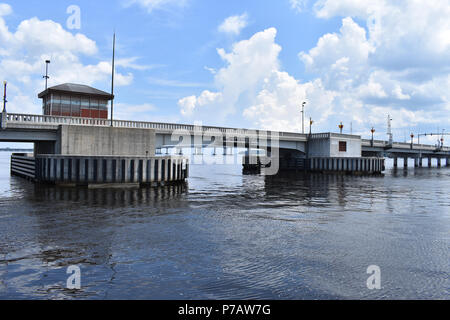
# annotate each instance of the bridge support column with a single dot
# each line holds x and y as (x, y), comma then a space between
(405, 162)
(421, 162)
(439, 162)
(429, 162)
(416, 162)
(395, 162)
(447, 162)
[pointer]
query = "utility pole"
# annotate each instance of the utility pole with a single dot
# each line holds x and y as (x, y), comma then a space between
(310, 126)
(112, 80)
(46, 77)
(412, 140)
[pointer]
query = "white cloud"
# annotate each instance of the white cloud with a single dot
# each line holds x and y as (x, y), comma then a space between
(152, 5)
(5, 9)
(23, 52)
(234, 24)
(405, 33)
(399, 66)
(254, 92)
(192, 103)
(360, 74)
(341, 58)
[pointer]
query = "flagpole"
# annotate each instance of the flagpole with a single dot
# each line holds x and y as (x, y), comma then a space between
(112, 80)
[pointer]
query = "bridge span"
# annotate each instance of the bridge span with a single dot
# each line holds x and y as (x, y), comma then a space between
(72, 136)
(36, 128)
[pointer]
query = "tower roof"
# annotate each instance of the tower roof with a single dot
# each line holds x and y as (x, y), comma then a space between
(79, 89)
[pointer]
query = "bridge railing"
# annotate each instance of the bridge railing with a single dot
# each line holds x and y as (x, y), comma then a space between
(58, 120)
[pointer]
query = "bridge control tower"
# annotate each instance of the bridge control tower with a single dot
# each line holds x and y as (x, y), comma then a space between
(75, 100)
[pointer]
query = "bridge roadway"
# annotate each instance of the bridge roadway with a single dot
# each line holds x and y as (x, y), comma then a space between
(41, 128)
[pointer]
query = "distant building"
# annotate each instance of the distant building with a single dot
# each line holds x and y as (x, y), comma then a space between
(75, 100)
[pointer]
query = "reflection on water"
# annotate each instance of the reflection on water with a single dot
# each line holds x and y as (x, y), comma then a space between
(224, 235)
(112, 197)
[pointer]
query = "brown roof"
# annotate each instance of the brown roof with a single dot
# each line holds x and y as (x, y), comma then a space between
(79, 89)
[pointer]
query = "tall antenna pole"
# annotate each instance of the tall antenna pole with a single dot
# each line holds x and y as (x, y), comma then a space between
(112, 80)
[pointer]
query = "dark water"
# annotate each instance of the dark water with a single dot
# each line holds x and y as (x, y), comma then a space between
(228, 236)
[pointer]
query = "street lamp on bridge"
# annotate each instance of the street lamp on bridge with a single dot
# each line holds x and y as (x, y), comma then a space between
(412, 140)
(373, 131)
(341, 127)
(303, 117)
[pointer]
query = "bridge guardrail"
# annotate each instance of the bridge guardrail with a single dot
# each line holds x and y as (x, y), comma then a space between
(58, 120)
(170, 127)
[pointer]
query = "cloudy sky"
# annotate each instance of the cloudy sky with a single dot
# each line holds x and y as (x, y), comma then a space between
(241, 63)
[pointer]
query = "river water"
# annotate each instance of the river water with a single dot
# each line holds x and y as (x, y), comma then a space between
(228, 236)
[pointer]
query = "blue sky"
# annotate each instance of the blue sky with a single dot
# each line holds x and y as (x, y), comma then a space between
(242, 63)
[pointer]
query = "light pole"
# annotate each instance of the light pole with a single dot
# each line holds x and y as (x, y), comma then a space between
(373, 131)
(310, 125)
(303, 117)
(412, 140)
(46, 77)
(341, 127)
(112, 80)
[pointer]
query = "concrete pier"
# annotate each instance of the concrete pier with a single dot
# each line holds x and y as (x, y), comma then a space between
(405, 162)
(395, 162)
(101, 170)
(447, 163)
(420, 162)
(439, 164)
(254, 164)
(23, 165)
(416, 162)
(429, 162)
(347, 165)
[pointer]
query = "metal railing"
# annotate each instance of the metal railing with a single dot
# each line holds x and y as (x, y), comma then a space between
(59, 120)
(170, 127)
